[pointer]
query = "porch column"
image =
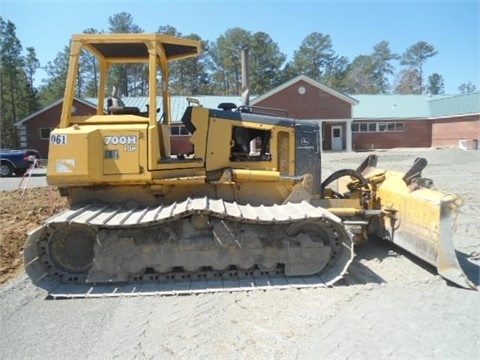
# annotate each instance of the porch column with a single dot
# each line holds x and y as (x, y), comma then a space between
(348, 141)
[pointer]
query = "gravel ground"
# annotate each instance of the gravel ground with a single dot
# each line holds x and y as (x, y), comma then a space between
(36, 179)
(388, 306)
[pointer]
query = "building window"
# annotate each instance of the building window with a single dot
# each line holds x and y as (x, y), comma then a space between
(378, 127)
(45, 133)
(179, 131)
(364, 127)
(391, 126)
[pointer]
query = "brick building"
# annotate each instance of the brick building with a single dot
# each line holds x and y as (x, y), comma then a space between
(364, 122)
(34, 130)
(456, 121)
(390, 121)
(306, 99)
(358, 122)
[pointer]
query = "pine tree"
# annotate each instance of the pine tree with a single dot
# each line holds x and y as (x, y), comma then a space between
(315, 57)
(415, 57)
(17, 94)
(130, 79)
(53, 88)
(435, 84)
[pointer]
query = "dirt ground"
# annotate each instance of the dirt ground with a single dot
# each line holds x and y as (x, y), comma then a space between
(22, 211)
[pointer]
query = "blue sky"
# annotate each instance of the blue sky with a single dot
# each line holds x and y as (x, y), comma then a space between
(355, 27)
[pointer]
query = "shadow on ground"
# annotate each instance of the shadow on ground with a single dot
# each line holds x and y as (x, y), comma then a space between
(377, 249)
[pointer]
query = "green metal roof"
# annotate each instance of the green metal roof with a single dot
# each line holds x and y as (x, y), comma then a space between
(391, 107)
(369, 106)
(455, 105)
(415, 106)
(178, 103)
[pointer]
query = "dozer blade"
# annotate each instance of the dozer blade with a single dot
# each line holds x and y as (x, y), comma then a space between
(422, 222)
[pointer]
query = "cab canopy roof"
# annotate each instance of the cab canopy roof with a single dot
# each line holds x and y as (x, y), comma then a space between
(136, 46)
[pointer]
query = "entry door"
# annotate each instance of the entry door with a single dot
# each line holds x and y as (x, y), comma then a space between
(337, 138)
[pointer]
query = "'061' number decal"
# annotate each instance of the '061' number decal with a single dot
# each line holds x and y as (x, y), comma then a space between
(58, 139)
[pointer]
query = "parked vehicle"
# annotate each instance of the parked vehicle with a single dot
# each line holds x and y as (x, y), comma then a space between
(17, 161)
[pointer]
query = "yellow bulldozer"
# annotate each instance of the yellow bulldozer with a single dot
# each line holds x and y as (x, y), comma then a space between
(248, 203)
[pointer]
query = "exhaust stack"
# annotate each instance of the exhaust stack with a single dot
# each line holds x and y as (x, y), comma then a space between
(245, 75)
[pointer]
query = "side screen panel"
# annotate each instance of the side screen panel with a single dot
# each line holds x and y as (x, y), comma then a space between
(307, 152)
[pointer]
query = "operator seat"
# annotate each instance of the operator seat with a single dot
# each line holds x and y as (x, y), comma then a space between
(115, 105)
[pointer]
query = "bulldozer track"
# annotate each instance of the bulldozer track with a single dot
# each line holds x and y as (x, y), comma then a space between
(184, 287)
(42, 271)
